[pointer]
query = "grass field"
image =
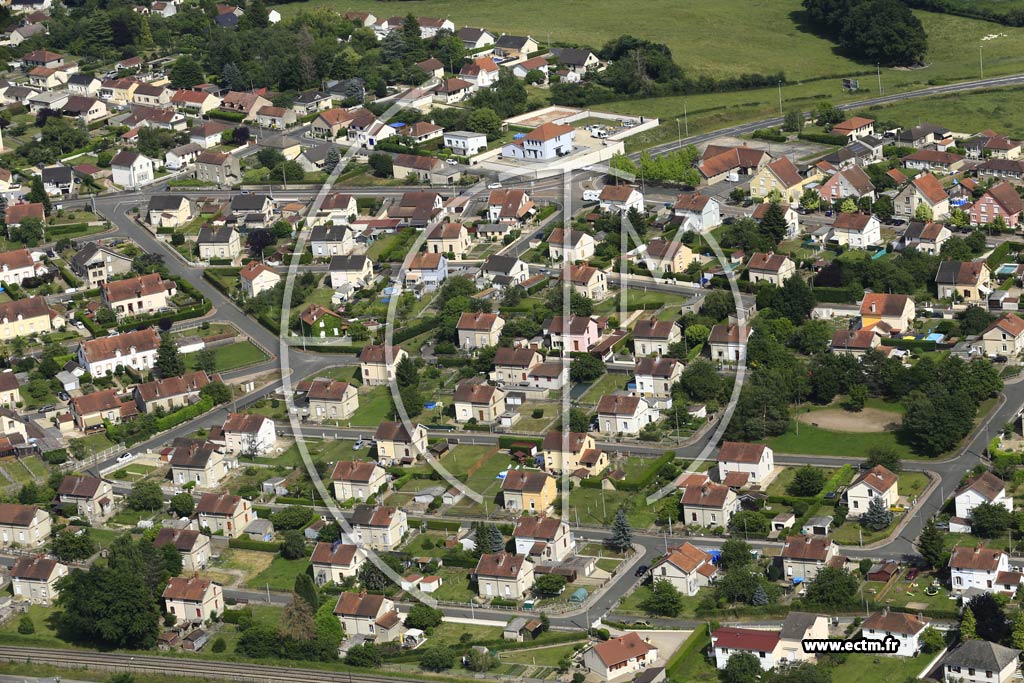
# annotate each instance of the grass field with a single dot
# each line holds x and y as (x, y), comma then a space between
(374, 407)
(605, 384)
(454, 585)
(816, 441)
(545, 656)
(231, 356)
(970, 112)
(864, 668)
(783, 479)
(280, 575)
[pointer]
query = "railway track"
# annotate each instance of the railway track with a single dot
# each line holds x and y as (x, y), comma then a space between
(174, 666)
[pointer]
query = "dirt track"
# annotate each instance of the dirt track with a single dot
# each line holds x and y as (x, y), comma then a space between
(839, 420)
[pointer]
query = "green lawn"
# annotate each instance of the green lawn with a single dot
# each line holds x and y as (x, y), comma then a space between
(637, 296)
(605, 384)
(816, 441)
(454, 585)
(785, 477)
(280, 575)
(969, 112)
(320, 451)
(231, 356)
(912, 484)
(545, 656)
(374, 407)
(449, 634)
(864, 668)
(608, 564)
(631, 603)
(595, 508)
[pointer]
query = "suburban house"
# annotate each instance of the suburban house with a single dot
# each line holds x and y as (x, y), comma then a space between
(199, 463)
(572, 452)
(92, 497)
(770, 267)
(696, 211)
(193, 546)
(245, 103)
(465, 143)
(192, 599)
(450, 239)
(803, 556)
(426, 270)
(97, 263)
(850, 182)
(728, 343)
(481, 72)
(616, 658)
(375, 369)
(91, 411)
(667, 257)
(924, 190)
(328, 240)
(577, 60)
(514, 47)
(422, 169)
(132, 170)
(378, 527)
(789, 214)
(58, 180)
(979, 661)
(24, 526)
(275, 118)
(318, 321)
(474, 38)
(365, 130)
(331, 399)
(453, 90)
(248, 433)
(374, 617)
(355, 270)
(687, 567)
(136, 350)
(478, 330)
(34, 580)
(208, 133)
(780, 175)
(548, 539)
(330, 124)
(655, 376)
(335, 562)
(169, 211)
(10, 390)
(988, 489)
(708, 505)
(921, 135)
(17, 265)
(357, 480)
(654, 337)
(878, 482)
(218, 168)
(194, 102)
(740, 464)
(503, 575)
(854, 127)
(138, 295)
(256, 278)
(925, 236)
(504, 271)
(1004, 337)
(989, 144)
(620, 199)
(966, 281)
(617, 413)
(588, 281)
(480, 402)
(933, 161)
(225, 513)
(857, 230)
(395, 445)
(26, 317)
(222, 243)
(887, 312)
(764, 645)
(904, 628)
(546, 142)
(978, 567)
(509, 206)
(528, 490)
(718, 162)
(574, 246)
(999, 201)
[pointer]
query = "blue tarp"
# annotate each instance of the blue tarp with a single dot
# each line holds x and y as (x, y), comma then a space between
(579, 595)
(797, 580)
(519, 136)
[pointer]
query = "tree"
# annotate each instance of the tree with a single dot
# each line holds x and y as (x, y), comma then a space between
(933, 641)
(665, 599)
(883, 207)
(293, 545)
(968, 625)
(365, 656)
(182, 504)
(930, 545)
(1017, 631)
(287, 170)
(37, 193)
(73, 546)
(218, 392)
(974, 319)
(186, 73)
(486, 121)
(438, 658)
(701, 381)
(717, 305)
(146, 495)
(291, 517)
(423, 617)
(848, 206)
(26, 626)
(989, 520)
(381, 164)
(807, 481)
(735, 553)
(480, 660)
(109, 608)
(760, 597)
(579, 420)
(585, 367)
(490, 539)
(297, 621)
(884, 31)
(990, 619)
(742, 667)
(810, 199)
(622, 533)
(877, 516)
(168, 360)
(793, 122)
(886, 456)
(306, 589)
(549, 585)
(405, 373)
(923, 212)
(832, 589)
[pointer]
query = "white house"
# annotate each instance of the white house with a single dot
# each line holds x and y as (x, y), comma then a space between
(978, 567)
(465, 143)
(878, 482)
(575, 245)
(136, 350)
(355, 270)
(979, 661)
(625, 414)
(132, 170)
(545, 538)
(696, 211)
(988, 488)
(621, 657)
(545, 142)
(246, 433)
(687, 567)
(620, 199)
(763, 645)
(750, 461)
(904, 628)
(656, 376)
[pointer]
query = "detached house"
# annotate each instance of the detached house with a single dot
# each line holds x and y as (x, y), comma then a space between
(480, 402)
(708, 505)
(770, 267)
(332, 240)
(169, 211)
(193, 546)
(718, 163)
(573, 246)
(192, 599)
(92, 411)
(547, 538)
(18, 265)
(504, 575)
(854, 128)
(619, 657)
(574, 452)
(654, 337)
(924, 190)
(934, 161)
(426, 270)
(1004, 337)
(92, 497)
(728, 343)
(199, 463)
(331, 399)
(509, 206)
(478, 330)
(904, 628)
(999, 201)
(687, 567)
(194, 102)
(528, 490)
(219, 243)
(696, 211)
(330, 124)
(256, 278)
(481, 72)
(247, 433)
(667, 257)
(335, 562)
(743, 463)
(620, 199)
(780, 175)
(878, 482)
(138, 295)
(504, 271)
(925, 236)
(357, 480)
(354, 270)
(132, 170)
(857, 230)
(218, 168)
(588, 281)
(979, 567)
(396, 445)
(137, 350)
(887, 312)
(761, 644)
(578, 333)
(515, 47)
(988, 489)
(967, 281)
(244, 103)
(34, 580)
(27, 317)
(375, 368)
(97, 264)
(450, 239)
(23, 526)
(803, 556)
(624, 414)
(372, 616)
(379, 528)
(224, 513)
(979, 661)
(656, 376)
(850, 182)
(546, 142)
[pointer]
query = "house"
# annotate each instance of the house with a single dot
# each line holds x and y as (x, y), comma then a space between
(10, 392)
(933, 161)
(728, 343)
(770, 267)
(752, 462)
(132, 170)
(194, 102)
(573, 451)
(136, 350)
(465, 143)
(619, 657)
(782, 176)
(365, 130)
(149, 95)
(654, 337)
(878, 482)
(335, 562)
(979, 661)
(169, 211)
(999, 201)
(420, 169)
(44, 78)
(379, 528)
(222, 243)
(578, 333)
(663, 256)
(23, 33)
(338, 210)
(16, 213)
(245, 103)
(429, 270)
(331, 399)
(522, 69)
(85, 109)
(987, 488)
(193, 546)
(311, 102)
(924, 190)
(967, 281)
(989, 144)
(546, 142)
(192, 599)
(248, 434)
(588, 281)
(357, 480)
(450, 239)
(453, 90)
(432, 67)
(396, 445)
(118, 90)
(377, 367)
(857, 230)
(978, 567)
(894, 312)
(421, 131)
(696, 211)
(503, 575)
(762, 644)
(418, 208)
(1004, 337)
(331, 240)
(224, 513)
(23, 526)
(708, 505)
(201, 463)
(474, 38)
(509, 206)
(275, 118)
(922, 135)
(181, 156)
(620, 199)
(655, 376)
(34, 580)
(27, 317)
(374, 617)
(854, 128)
(244, 206)
(256, 278)
(92, 411)
(138, 295)
(92, 497)
(572, 246)
(480, 402)
(504, 271)
(528, 490)
(218, 168)
(478, 330)
(330, 124)
(905, 628)
(854, 342)
(481, 72)
(687, 567)
(850, 182)
(355, 270)
(624, 414)
(547, 538)
(18, 265)
(789, 214)
(803, 556)
(97, 263)
(925, 236)
(576, 60)
(514, 47)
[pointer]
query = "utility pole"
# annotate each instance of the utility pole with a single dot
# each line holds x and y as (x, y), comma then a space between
(780, 99)
(679, 137)
(686, 120)
(878, 68)
(981, 60)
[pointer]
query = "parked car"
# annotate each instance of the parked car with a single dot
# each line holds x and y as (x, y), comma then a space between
(641, 570)
(494, 186)
(63, 395)
(124, 457)
(451, 162)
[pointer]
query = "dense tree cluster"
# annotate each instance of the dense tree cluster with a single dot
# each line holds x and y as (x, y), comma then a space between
(872, 31)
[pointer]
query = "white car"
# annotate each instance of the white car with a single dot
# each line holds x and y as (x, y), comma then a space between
(124, 457)
(451, 162)
(494, 186)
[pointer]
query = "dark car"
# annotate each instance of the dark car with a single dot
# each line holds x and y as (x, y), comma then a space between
(1000, 359)
(641, 570)
(898, 221)
(729, 221)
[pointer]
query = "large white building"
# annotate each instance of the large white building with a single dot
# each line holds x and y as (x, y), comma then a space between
(545, 142)
(979, 567)
(136, 350)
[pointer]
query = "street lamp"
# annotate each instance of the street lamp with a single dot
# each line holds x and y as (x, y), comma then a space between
(780, 98)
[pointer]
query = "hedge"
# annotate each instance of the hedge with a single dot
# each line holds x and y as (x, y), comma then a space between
(204, 405)
(768, 134)
(95, 329)
(220, 262)
(823, 138)
(233, 616)
(165, 231)
(442, 525)
(215, 281)
(334, 348)
(68, 276)
(58, 230)
(234, 116)
(416, 329)
(249, 544)
(288, 500)
(648, 476)
(912, 344)
(834, 295)
(154, 320)
(998, 255)
(507, 441)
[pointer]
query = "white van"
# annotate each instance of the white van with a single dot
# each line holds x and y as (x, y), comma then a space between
(591, 195)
